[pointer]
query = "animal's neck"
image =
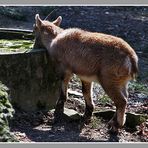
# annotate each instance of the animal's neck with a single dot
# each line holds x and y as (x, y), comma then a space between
(47, 42)
(59, 30)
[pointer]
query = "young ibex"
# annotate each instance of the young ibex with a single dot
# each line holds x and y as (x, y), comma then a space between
(92, 56)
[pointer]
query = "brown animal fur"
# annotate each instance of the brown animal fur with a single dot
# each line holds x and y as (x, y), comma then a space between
(98, 57)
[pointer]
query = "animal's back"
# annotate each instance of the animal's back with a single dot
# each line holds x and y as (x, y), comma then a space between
(88, 53)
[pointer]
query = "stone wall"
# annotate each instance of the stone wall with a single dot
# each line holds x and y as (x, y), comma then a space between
(31, 80)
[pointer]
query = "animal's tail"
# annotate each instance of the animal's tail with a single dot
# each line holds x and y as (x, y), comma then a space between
(134, 61)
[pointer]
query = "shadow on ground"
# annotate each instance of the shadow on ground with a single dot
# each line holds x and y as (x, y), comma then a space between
(64, 131)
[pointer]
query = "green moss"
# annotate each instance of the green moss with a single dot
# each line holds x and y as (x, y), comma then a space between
(9, 46)
(95, 122)
(6, 113)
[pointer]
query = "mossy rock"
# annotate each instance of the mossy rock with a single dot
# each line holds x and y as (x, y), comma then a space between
(6, 113)
(132, 119)
(105, 114)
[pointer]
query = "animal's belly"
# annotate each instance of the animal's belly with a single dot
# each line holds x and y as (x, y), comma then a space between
(90, 79)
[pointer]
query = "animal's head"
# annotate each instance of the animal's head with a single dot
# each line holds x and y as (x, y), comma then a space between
(45, 31)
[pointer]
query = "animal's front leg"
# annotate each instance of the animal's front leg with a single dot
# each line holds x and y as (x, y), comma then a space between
(59, 109)
(89, 105)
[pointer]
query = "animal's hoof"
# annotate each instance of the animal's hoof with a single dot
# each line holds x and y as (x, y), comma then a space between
(113, 127)
(113, 130)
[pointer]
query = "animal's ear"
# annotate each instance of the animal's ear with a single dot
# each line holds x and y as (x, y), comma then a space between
(58, 21)
(38, 20)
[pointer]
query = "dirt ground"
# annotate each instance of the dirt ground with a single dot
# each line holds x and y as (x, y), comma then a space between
(39, 127)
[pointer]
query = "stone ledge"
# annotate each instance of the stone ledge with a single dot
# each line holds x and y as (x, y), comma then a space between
(30, 77)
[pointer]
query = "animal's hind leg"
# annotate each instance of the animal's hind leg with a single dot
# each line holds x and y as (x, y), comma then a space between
(59, 109)
(89, 105)
(118, 93)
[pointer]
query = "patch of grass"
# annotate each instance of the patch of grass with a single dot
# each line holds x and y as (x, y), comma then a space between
(95, 122)
(104, 99)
